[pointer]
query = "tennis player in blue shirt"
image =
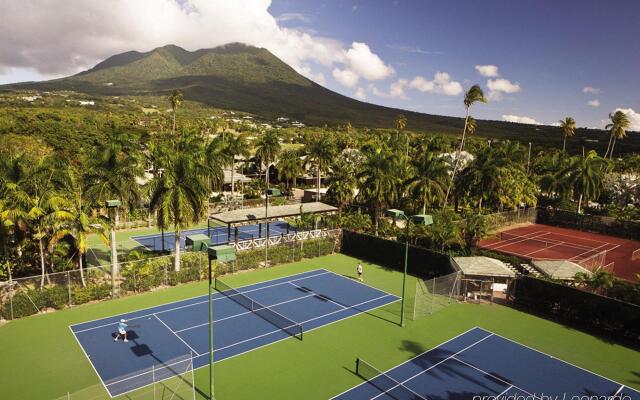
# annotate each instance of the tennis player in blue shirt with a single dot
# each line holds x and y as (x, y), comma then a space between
(122, 330)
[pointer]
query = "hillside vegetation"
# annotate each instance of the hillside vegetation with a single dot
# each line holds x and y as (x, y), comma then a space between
(249, 79)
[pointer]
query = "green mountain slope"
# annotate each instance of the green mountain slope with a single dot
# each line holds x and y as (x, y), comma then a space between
(250, 79)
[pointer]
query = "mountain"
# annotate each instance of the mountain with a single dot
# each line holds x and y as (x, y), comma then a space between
(250, 79)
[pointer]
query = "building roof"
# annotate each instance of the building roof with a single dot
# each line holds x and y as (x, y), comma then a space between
(559, 269)
(238, 177)
(482, 266)
(258, 213)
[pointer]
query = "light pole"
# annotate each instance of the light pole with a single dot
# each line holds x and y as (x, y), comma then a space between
(421, 219)
(211, 253)
(395, 214)
(111, 207)
(266, 220)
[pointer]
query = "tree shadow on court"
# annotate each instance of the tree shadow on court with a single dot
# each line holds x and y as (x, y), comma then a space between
(412, 347)
(360, 310)
(637, 375)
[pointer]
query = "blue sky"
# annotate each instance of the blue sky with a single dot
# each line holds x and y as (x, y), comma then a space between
(538, 61)
(552, 49)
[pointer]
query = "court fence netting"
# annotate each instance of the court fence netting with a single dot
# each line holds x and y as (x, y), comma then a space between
(434, 294)
(273, 317)
(384, 383)
(170, 380)
(497, 221)
(24, 296)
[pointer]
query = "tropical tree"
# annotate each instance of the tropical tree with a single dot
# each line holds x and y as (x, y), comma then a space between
(236, 146)
(618, 128)
(175, 100)
(378, 181)
(342, 182)
(320, 152)
(290, 167)
(599, 280)
(585, 175)
(401, 123)
(473, 95)
(180, 192)
(267, 150)
(216, 157)
(429, 179)
(78, 225)
(472, 126)
(568, 126)
(473, 228)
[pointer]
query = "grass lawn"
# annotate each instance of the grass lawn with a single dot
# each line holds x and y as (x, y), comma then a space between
(99, 253)
(40, 358)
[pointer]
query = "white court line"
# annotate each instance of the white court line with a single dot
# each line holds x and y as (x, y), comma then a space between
(494, 377)
(176, 335)
(414, 357)
(520, 239)
(221, 297)
(92, 366)
(243, 313)
(544, 248)
(594, 251)
(257, 337)
(433, 366)
(559, 359)
(504, 391)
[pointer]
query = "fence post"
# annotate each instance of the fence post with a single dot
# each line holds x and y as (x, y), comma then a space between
(69, 288)
(11, 296)
(153, 379)
(193, 378)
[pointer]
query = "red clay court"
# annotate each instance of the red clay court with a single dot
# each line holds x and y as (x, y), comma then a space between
(545, 242)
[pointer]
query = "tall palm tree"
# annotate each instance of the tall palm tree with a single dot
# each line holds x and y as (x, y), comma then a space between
(401, 123)
(216, 157)
(568, 126)
(236, 146)
(429, 179)
(267, 150)
(79, 225)
(320, 152)
(478, 179)
(175, 100)
(378, 180)
(180, 193)
(473, 95)
(290, 167)
(342, 181)
(585, 175)
(618, 128)
(599, 280)
(472, 126)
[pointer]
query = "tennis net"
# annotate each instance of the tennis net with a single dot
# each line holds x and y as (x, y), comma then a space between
(513, 238)
(384, 382)
(291, 327)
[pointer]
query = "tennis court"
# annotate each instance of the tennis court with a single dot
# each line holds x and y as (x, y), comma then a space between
(545, 242)
(480, 363)
(245, 319)
(218, 235)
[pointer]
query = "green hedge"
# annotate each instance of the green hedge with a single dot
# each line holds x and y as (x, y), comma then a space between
(589, 223)
(577, 307)
(422, 262)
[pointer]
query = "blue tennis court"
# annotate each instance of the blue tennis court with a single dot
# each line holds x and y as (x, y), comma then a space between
(171, 331)
(481, 363)
(218, 235)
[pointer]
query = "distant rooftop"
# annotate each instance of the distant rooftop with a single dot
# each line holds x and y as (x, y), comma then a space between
(482, 266)
(559, 269)
(258, 213)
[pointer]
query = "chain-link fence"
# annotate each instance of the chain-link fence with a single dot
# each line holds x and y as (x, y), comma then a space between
(500, 220)
(434, 294)
(169, 380)
(21, 297)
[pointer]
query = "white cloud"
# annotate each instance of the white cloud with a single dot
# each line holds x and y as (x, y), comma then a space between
(360, 94)
(396, 90)
(590, 89)
(594, 103)
(497, 87)
(293, 17)
(520, 119)
(441, 84)
(490, 71)
(634, 118)
(367, 64)
(87, 31)
(411, 49)
(346, 77)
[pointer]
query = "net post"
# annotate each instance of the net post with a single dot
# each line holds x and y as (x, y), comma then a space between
(193, 378)
(357, 366)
